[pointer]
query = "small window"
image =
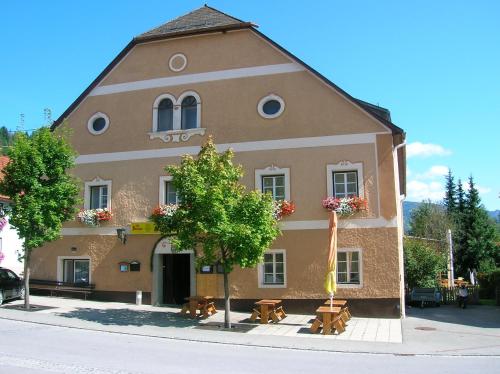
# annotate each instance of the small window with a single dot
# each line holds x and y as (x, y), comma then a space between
(135, 266)
(348, 267)
(271, 106)
(98, 123)
(273, 268)
(99, 197)
(275, 185)
(189, 113)
(345, 184)
(170, 193)
(123, 267)
(76, 271)
(165, 115)
(206, 269)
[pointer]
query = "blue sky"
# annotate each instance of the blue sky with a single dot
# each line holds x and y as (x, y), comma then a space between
(434, 64)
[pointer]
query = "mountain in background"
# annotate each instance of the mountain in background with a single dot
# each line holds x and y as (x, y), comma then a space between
(408, 206)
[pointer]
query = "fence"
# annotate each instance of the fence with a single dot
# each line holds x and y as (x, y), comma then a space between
(450, 294)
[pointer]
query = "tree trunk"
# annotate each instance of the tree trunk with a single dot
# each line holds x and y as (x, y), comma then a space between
(227, 301)
(26, 279)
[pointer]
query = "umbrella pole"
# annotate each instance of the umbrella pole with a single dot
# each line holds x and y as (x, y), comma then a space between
(331, 300)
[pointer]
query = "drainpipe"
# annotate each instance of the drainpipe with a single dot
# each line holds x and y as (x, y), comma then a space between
(400, 231)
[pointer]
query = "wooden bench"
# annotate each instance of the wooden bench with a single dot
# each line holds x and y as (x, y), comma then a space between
(55, 287)
(204, 304)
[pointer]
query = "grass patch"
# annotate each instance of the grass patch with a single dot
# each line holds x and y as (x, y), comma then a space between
(491, 302)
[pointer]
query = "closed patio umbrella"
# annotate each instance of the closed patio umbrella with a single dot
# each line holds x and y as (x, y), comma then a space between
(330, 281)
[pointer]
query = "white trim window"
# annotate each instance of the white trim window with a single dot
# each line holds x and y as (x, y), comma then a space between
(272, 271)
(171, 114)
(98, 123)
(74, 269)
(97, 194)
(271, 106)
(168, 193)
(273, 180)
(349, 269)
(345, 179)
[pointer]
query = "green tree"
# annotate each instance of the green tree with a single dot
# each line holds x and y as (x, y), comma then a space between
(450, 197)
(5, 140)
(216, 216)
(423, 264)
(43, 194)
(478, 234)
(430, 221)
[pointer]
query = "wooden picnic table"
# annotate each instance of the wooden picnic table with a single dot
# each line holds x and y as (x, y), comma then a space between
(205, 304)
(346, 314)
(268, 308)
(327, 317)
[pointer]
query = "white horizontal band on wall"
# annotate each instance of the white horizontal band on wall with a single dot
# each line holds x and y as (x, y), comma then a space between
(263, 145)
(357, 223)
(254, 71)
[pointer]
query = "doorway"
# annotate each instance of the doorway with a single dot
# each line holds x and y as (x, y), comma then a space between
(176, 278)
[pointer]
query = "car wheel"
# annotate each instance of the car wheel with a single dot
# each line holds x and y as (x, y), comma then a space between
(22, 293)
(1, 297)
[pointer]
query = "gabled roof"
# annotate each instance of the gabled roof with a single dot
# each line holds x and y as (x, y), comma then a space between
(199, 19)
(207, 20)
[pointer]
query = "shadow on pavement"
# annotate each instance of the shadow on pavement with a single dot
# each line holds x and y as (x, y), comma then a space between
(474, 315)
(128, 317)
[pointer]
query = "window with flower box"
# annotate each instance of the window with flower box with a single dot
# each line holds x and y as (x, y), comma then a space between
(168, 192)
(272, 272)
(345, 179)
(345, 184)
(273, 180)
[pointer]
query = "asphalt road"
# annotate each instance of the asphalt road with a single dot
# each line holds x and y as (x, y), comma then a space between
(34, 348)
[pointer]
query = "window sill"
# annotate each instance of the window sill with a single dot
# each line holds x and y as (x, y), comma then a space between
(349, 285)
(272, 285)
(175, 136)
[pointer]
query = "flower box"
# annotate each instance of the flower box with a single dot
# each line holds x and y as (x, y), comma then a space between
(93, 217)
(283, 208)
(345, 206)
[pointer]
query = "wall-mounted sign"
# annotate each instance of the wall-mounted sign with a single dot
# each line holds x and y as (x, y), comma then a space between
(143, 228)
(123, 266)
(135, 266)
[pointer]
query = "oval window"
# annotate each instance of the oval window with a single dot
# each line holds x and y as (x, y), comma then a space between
(98, 123)
(271, 106)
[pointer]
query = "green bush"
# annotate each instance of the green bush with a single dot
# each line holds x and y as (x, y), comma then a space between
(423, 264)
(488, 282)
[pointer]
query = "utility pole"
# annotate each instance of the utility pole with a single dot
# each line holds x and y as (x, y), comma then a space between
(451, 270)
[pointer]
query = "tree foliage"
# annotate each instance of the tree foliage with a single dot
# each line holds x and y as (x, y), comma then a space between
(43, 195)
(450, 195)
(429, 220)
(216, 216)
(6, 139)
(423, 264)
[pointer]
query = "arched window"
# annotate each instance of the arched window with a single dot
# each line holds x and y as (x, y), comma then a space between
(165, 115)
(189, 113)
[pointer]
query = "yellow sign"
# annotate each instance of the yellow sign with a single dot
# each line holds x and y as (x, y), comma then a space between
(143, 228)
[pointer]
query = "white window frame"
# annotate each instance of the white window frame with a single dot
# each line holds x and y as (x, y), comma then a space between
(155, 111)
(273, 170)
(177, 103)
(360, 266)
(265, 99)
(161, 197)
(60, 266)
(96, 182)
(260, 271)
(91, 122)
(344, 166)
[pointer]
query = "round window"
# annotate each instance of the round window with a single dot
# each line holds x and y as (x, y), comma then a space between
(271, 106)
(98, 123)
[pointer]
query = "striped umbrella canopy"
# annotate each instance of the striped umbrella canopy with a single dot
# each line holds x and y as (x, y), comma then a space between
(330, 281)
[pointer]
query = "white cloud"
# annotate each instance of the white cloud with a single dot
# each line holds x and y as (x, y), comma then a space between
(418, 191)
(417, 149)
(481, 189)
(436, 171)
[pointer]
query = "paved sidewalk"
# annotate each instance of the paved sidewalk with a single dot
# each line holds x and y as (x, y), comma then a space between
(431, 331)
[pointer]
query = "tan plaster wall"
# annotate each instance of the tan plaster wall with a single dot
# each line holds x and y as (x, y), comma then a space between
(105, 253)
(204, 53)
(135, 184)
(386, 170)
(306, 254)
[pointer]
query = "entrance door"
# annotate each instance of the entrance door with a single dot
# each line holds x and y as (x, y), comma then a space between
(176, 278)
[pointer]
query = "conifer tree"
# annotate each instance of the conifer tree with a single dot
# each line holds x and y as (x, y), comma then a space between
(450, 198)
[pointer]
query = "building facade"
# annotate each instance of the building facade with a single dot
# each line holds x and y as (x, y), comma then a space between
(296, 134)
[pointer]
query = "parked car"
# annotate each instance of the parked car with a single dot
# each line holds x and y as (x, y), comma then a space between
(422, 296)
(11, 286)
